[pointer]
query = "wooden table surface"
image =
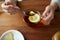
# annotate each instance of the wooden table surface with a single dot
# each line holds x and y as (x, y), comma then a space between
(8, 22)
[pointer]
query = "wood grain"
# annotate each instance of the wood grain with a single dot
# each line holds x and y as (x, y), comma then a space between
(30, 33)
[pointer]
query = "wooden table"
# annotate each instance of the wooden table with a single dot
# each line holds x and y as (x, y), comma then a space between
(31, 33)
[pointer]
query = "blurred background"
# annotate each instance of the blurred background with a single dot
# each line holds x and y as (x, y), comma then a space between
(1, 0)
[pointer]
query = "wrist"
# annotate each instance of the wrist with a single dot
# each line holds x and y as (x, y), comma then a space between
(54, 6)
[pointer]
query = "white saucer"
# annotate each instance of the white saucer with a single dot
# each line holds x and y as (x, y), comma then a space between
(17, 35)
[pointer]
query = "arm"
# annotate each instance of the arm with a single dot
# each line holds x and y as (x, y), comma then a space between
(55, 4)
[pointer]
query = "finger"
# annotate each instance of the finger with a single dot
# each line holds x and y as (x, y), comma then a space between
(4, 3)
(8, 3)
(16, 7)
(9, 7)
(47, 20)
(49, 17)
(4, 6)
(45, 13)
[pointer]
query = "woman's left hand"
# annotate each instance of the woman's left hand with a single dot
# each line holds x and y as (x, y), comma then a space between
(8, 7)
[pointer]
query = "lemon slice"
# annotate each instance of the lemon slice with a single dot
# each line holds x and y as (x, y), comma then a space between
(8, 36)
(31, 13)
(34, 19)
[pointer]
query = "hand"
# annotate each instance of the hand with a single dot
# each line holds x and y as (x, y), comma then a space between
(48, 15)
(8, 7)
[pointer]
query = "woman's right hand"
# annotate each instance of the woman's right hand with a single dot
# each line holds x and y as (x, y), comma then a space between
(48, 15)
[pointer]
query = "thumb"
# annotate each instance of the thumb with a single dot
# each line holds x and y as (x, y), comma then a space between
(16, 7)
(49, 17)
